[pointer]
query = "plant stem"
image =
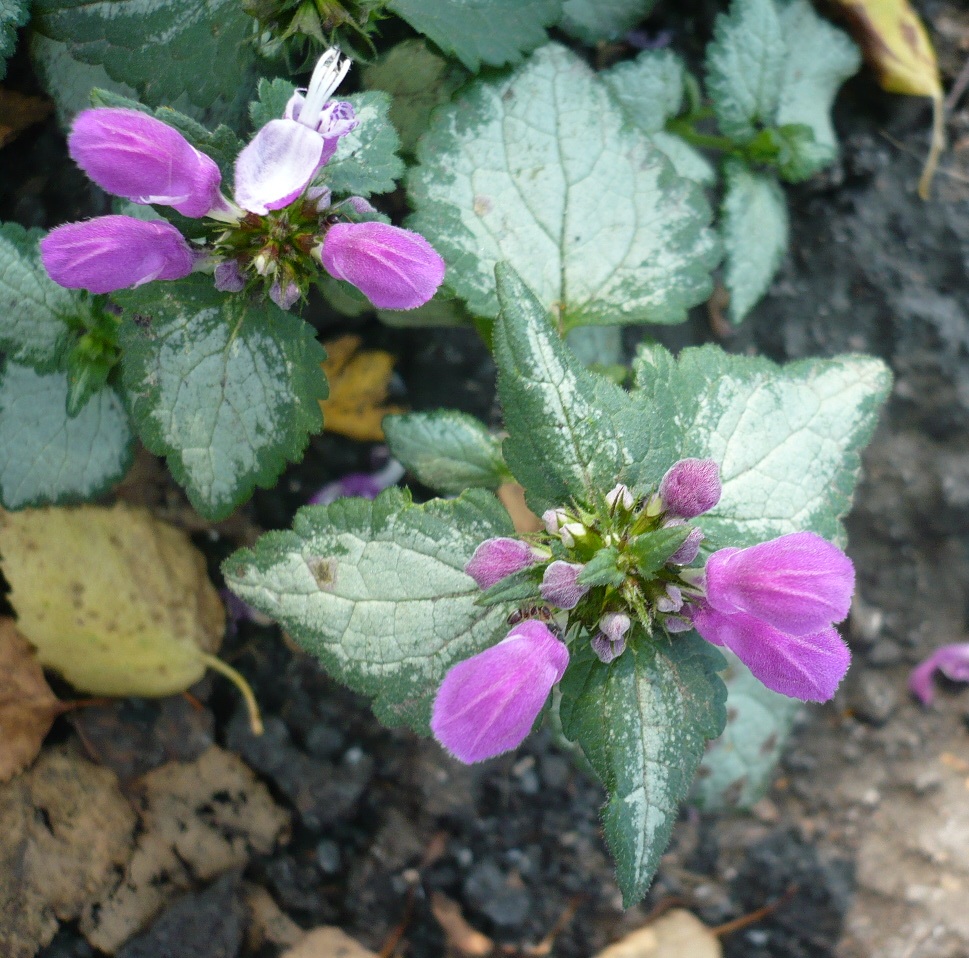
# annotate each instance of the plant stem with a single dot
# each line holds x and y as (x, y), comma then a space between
(255, 719)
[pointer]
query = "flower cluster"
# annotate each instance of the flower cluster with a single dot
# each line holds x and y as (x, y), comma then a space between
(616, 574)
(276, 231)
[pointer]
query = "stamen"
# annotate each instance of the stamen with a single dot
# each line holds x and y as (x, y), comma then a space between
(327, 76)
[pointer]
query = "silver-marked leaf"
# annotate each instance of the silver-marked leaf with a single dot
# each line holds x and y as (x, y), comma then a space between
(787, 438)
(162, 48)
(643, 722)
(738, 766)
(593, 20)
(538, 168)
(493, 32)
(572, 433)
(13, 15)
(448, 451)
(33, 309)
(270, 103)
(417, 80)
(378, 593)
(754, 227)
(366, 160)
(745, 67)
(820, 57)
(228, 391)
(46, 457)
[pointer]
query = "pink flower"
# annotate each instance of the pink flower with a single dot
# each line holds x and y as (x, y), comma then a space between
(393, 267)
(115, 252)
(560, 585)
(951, 660)
(135, 156)
(495, 559)
(487, 704)
(690, 487)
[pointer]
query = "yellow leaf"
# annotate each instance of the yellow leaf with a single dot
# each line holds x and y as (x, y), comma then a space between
(115, 601)
(897, 47)
(358, 389)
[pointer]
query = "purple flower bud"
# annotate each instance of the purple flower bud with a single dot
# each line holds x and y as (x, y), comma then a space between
(798, 583)
(677, 623)
(394, 268)
(672, 601)
(133, 155)
(607, 649)
(807, 667)
(689, 550)
(284, 295)
(690, 487)
(487, 704)
(551, 521)
(115, 252)
(496, 558)
(560, 586)
(951, 660)
(229, 278)
(615, 625)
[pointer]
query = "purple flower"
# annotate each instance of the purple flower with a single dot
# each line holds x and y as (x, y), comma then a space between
(560, 585)
(951, 660)
(798, 583)
(363, 485)
(133, 155)
(286, 154)
(610, 643)
(393, 267)
(497, 558)
(690, 487)
(487, 704)
(115, 252)
(689, 550)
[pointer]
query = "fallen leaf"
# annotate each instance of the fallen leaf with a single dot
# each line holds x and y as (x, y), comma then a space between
(328, 943)
(512, 497)
(66, 830)
(27, 705)
(18, 112)
(359, 379)
(115, 601)
(897, 47)
(459, 936)
(268, 923)
(675, 934)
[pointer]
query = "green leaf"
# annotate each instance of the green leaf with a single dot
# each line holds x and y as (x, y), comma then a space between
(227, 391)
(738, 767)
(642, 722)
(787, 439)
(602, 569)
(572, 433)
(652, 549)
(819, 59)
(538, 168)
(442, 310)
(13, 15)
(493, 32)
(517, 587)
(592, 21)
(745, 67)
(270, 103)
(754, 225)
(448, 451)
(34, 310)
(366, 160)
(417, 80)
(48, 458)
(378, 593)
(162, 48)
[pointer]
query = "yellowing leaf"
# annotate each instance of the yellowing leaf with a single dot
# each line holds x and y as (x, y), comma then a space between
(115, 601)
(897, 47)
(358, 389)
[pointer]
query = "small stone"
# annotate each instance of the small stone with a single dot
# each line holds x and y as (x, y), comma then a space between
(872, 698)
(328, 857)
(489, 891)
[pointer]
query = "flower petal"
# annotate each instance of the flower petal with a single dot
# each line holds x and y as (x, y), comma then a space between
(807, 667)
(115, 252)
(798, 583)
(277, 165)
(951, 660)
(487, 704)
(394, 268)
(495, 559)
(133, 155)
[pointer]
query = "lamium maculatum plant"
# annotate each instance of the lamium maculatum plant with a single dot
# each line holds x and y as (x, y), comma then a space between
(699, 509)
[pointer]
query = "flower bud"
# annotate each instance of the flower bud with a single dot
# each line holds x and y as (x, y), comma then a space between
(615, 625)
(607, 649)
(620, 496)
(560, 586)
(691, 487)
(495, 559)
(689, 550)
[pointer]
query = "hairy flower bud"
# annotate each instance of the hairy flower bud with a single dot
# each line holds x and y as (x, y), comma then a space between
(496, 558)
(690, 487)
(560, 586)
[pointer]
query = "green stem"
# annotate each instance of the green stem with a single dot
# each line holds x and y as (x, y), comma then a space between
(707, 141)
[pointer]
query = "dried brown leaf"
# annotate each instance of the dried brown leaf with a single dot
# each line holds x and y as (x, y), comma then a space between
(512, 497)
(328, 943)
(459, 936)
(18, 112)
(675, 934)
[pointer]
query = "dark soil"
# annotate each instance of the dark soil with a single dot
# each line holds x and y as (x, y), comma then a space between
(861, 842)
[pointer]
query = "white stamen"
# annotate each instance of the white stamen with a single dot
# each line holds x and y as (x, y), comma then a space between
(327, 76)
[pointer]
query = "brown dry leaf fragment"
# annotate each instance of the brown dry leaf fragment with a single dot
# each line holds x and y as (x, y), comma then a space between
(897, 47)
(675, 934)
(199, 819)
(359, 379)
(328, 943)
(115, 601)
(18, 112)
(459, 936)
(512, 497)
(66, 830)
(268, 923)
(27, 705)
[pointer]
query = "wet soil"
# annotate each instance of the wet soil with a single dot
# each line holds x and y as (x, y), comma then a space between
(861, 841)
